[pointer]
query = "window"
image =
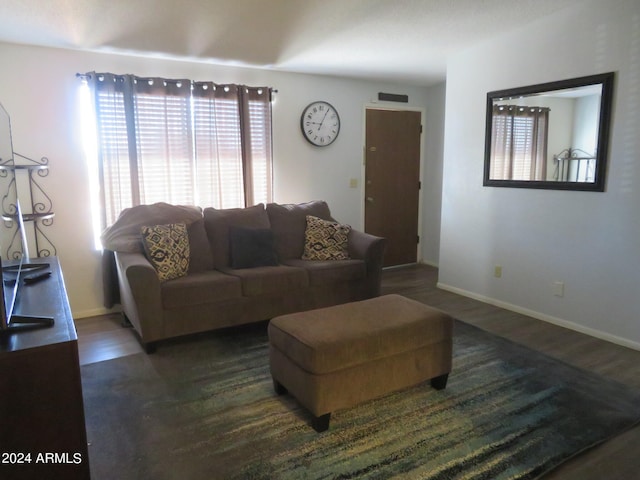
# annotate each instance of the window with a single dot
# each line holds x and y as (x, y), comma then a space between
(180, 142)
(519, 148)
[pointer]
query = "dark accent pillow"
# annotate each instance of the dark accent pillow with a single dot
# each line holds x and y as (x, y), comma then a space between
(251, 247)
(218, 221)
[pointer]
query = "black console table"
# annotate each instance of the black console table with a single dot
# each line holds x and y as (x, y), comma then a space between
(42, 427)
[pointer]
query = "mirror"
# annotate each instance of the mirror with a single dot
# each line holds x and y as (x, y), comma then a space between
(553, 135)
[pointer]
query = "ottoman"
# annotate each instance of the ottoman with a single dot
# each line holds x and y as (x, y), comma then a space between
(337, 357)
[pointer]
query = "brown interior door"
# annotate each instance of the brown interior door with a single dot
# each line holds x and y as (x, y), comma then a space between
(392, 181)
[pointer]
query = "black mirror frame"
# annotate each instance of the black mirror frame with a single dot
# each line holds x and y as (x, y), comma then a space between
(606, 106)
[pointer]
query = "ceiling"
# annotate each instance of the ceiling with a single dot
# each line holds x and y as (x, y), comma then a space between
(406, 41)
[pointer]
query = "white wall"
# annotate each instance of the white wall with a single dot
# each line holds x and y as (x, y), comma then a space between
(432, 174)
(39, 89)
(590, 241)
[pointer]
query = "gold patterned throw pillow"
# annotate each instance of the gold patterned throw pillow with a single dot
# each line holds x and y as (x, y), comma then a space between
(167, 248)
(325, 240)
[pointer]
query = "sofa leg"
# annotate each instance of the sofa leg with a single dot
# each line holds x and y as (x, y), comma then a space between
(279, 388)
(321, 423)
(439, 383)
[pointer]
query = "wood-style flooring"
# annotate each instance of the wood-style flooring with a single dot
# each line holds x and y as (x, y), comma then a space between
(103, 338)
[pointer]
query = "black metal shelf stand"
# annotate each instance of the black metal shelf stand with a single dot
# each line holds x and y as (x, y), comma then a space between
(41, 213)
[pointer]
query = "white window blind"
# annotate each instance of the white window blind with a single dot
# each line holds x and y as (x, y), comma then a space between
(260, 128)
(181, 142)
(522, 139)
(519, 147)
(218, 146)
(164, 148)
(114, 153)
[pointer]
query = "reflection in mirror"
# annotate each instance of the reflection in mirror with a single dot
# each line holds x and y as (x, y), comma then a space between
(553, 135)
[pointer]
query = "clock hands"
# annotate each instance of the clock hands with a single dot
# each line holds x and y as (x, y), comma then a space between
(325, 116)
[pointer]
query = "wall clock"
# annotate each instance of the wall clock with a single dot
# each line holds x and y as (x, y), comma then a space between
(320, 123)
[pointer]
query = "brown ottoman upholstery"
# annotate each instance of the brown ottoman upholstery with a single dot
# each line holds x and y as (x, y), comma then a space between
(337, 357)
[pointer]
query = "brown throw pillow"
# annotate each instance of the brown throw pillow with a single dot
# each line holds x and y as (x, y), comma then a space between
(325, 240)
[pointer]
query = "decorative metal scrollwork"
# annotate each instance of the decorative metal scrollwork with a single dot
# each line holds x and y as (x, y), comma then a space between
(41, 205)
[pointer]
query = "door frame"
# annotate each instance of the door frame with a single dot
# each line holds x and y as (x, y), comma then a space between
(363, 165)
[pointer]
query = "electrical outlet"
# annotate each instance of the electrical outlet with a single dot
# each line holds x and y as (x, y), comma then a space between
(497, 271)
(558, 289)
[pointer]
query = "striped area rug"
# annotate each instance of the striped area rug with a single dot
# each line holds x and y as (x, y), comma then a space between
(204, 408)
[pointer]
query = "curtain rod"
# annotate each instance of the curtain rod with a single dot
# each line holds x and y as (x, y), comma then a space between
(85, 76)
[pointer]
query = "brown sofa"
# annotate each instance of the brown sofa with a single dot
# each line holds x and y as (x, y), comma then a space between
(213, 294)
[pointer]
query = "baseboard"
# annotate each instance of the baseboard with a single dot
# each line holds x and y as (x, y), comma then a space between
(430, 263)
(404, 265)
(94, 312)
(544, 317)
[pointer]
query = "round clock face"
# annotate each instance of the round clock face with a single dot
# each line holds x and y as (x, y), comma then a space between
(320, 124)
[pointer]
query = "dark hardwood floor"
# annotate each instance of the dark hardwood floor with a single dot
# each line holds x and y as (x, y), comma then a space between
(103, 338)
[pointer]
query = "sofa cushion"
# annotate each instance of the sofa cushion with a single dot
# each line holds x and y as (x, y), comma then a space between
(289, 222)
(200, 289)
(218, 221)
(330, 272)
(251, 247)
(167, 248)
(325, 240)
(270, 280)
(201, 258)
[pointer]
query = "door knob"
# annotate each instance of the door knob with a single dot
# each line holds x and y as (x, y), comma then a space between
(370, 199)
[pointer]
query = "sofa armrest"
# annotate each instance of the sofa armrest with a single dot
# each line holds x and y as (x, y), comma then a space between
(140, 295)
(371, 249)
(365, 246)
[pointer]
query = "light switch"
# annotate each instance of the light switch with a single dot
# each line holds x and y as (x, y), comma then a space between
(353, 183)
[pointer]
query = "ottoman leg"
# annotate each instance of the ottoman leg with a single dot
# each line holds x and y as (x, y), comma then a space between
(321, 423)
(440, 382)
(279, 388)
